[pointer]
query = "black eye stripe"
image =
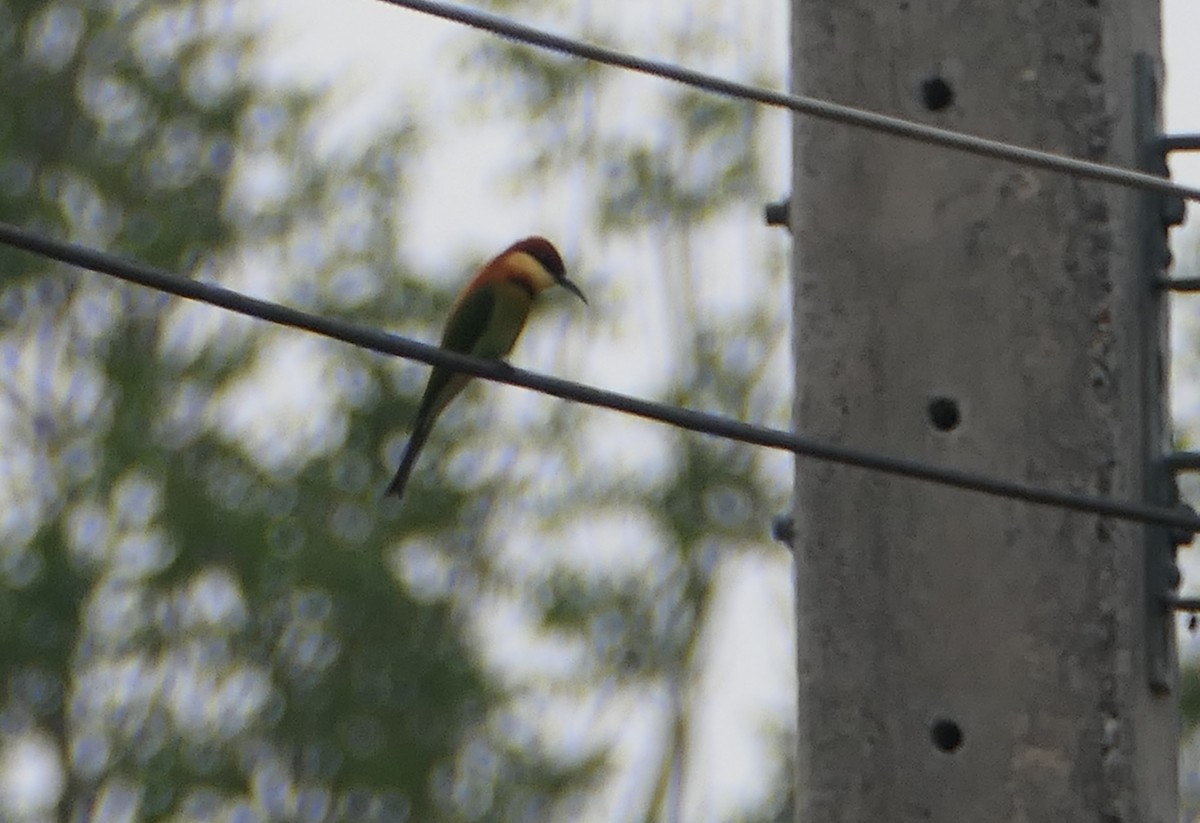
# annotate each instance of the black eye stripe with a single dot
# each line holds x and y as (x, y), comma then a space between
(548, 258)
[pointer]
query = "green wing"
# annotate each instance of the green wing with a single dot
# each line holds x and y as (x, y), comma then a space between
(466, 326)
(469, 321)
(485, 323)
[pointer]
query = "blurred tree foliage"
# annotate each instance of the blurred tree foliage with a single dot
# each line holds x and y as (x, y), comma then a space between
(204, 610)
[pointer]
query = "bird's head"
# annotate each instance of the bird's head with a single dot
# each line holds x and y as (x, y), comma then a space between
(541, 265)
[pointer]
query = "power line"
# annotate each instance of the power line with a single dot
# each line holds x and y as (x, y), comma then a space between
(803, 105)
(689, 419)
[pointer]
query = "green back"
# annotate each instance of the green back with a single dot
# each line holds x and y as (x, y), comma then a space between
(486, 324)
(488, 321)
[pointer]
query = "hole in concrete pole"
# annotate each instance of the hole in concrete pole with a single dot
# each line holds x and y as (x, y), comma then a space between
(946, 735)
(944, 414)
(936, 94)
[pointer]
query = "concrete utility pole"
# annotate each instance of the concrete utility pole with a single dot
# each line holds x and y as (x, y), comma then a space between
(963, 658)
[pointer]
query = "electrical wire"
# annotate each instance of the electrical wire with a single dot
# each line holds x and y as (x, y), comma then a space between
(803, 105)
(691, 420)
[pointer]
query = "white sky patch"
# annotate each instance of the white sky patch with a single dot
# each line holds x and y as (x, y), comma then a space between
(746, 635)
(636, 725)
(520, 655)
(458, 201)
(624, 447)
(637, 537)
(31, 775)
(297, 419)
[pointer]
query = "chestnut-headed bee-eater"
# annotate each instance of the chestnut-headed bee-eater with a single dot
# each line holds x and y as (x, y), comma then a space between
(486, 319)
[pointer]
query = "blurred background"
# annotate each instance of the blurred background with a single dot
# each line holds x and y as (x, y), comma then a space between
(206, 613)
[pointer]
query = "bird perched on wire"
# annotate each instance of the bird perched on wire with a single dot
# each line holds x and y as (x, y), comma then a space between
(486, 319)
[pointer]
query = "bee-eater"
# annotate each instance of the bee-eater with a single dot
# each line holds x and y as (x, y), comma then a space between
(486, 319)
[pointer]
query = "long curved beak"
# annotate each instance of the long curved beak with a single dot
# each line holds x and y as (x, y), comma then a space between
(571, 287)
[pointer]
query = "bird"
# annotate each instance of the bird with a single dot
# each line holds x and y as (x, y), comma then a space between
(485, 320)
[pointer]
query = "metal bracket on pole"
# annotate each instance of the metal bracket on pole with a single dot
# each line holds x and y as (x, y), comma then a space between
(1158, 213)
(1180, 462)
(779, 214)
